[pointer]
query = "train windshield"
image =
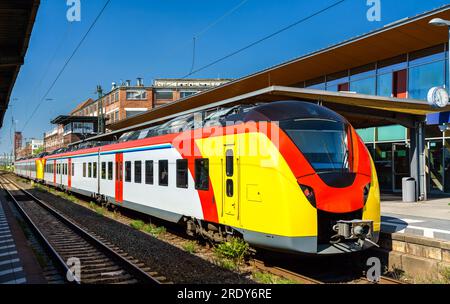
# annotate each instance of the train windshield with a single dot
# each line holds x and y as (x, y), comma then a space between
(323, 142)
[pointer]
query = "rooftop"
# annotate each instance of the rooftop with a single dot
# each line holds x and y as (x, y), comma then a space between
(16, 23)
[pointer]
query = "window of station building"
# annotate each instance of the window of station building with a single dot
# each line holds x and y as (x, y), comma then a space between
(149, 172)
(110, 170)
(138, 171)
(103, 169)
(337, 81)
(89, 170)
(184, 94)
(116, 96)
(202, 174)
(432, 54)
(316, 83)
(164, 94)
(84, 169)
(116, 116)
(362, 79)
(163, 168)
(182, 173)
(94, 170)
(423, 77)
(128, 171)
(136, 95)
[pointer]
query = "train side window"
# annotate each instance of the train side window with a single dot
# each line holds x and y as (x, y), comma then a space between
(110, 170)
(202, 174)
(65, 169)
(229, 162)
(128, 171)
(138, 171)
(94, 169)
(149, 172)
(84, 169)
(230, 190)
(89, 170)
(163, 167)
(73, 169)
(103, 175)
(182, 173)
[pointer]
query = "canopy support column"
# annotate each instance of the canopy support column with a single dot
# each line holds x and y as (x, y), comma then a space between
(417, 159)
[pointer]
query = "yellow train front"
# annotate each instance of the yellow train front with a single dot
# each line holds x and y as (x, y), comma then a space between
(295, 177)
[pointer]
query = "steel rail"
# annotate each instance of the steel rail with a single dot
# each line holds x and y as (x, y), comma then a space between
(128, 266)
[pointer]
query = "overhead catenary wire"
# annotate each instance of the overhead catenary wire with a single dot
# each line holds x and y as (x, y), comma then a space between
(67, 63)
(285, 28)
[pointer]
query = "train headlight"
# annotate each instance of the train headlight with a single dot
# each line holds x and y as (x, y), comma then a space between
(366, 192)
(309, 193)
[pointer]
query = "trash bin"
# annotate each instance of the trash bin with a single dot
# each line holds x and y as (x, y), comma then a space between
(409, 190)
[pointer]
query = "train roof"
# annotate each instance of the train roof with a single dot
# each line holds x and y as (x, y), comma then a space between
(274, 111)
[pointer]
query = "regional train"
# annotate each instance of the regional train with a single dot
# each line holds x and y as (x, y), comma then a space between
(288, 176)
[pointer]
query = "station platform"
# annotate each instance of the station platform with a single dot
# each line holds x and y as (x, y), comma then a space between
(18, 264)
(429, 219)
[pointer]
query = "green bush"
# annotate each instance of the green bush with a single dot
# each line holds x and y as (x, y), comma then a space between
(235, 249)
(227, 264)
(190, 247)
(137, 224)
(267, 278)
(154, 231)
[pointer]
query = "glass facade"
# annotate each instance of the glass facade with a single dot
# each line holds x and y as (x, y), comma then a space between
(406, 76)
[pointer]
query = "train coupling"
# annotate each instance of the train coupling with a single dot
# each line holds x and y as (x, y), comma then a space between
(354, 229)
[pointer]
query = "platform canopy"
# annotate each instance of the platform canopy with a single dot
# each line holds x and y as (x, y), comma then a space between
(403, 36)
(16, 23)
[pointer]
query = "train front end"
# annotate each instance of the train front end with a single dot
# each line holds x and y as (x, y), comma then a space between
(335, 175)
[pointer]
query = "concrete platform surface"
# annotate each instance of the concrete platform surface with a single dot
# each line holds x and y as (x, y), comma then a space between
(429, 219)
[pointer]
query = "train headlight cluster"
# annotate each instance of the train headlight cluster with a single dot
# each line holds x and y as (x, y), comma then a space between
(309, 193)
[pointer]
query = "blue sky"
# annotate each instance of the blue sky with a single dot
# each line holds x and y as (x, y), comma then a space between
(153, 39)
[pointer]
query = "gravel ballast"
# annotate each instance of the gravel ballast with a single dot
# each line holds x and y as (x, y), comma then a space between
(177, 265)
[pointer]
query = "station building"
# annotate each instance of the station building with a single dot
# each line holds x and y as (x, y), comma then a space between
(399, 62)
(122, 101)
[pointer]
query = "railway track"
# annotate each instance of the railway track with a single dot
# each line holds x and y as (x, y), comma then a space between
(302, 279)
(67, 243)
(265, 266)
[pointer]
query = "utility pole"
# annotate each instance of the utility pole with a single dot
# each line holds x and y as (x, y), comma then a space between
(101, 118)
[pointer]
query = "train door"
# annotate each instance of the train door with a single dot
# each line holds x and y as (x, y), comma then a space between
(54, 172)
(230, 183)
(119, 178)
(69, 174)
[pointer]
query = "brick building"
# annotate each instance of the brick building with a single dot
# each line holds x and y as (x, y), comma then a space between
(124, 101)
(32, 147)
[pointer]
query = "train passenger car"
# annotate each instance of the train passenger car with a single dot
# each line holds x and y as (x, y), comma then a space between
(26, 168)
(289, 176)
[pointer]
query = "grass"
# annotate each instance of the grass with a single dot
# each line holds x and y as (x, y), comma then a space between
(190, 247)
(153, 230)
(445, 274)
(148, 228)
(231, 254)
(235, 249)
(227, 263)
(137, 224)
(267, 278)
